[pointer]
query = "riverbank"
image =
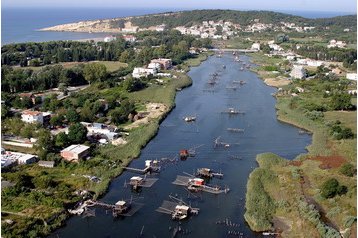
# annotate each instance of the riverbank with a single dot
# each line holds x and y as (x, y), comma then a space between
(106, 164)
(300, 181)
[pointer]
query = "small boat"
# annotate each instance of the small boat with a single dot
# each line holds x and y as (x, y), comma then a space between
(242, 68)
(189, 118)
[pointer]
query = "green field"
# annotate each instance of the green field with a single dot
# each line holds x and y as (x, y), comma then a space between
(110, 65)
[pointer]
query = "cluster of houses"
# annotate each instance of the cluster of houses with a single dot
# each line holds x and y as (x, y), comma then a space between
(289, 26)
(299, 63)
(73, 153)
(128, 38)
(334, 43)
(209, 29)
(153, 68)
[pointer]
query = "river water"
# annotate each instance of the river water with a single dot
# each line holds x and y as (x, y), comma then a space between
(263, 133)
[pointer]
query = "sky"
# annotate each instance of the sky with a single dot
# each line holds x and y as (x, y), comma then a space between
(288, 5)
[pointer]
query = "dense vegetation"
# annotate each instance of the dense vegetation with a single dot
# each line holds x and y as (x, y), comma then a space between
(188, 18)
(260, 206)
(170, 44)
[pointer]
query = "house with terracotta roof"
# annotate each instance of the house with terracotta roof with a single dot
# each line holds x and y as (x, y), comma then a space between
(32, 116)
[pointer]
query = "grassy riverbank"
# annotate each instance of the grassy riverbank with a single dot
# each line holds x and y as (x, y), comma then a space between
(288, 196)
(35, 213)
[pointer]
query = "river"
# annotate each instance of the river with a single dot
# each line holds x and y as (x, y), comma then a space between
(263, 133)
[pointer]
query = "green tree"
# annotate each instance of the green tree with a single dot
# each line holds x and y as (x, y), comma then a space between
(28, 131)
(265, 48)
(44, 140)
(341, 101)
(120, 114)
(43, 182)
(5, 111)
(57, 120)
(26, 102)
(72, 116)
(77, 133)
(95, 71)
(61, 140)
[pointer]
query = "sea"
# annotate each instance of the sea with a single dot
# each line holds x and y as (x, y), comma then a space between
(22, 24)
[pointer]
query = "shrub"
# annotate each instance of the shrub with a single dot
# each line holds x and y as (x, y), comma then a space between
(331, 188)
(314, 115)
(348, 170)
(339, 132)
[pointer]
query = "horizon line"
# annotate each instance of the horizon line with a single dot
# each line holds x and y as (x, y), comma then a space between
(176, 9)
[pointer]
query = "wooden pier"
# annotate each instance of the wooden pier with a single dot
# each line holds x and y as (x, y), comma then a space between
(151, 166)
(120, 208)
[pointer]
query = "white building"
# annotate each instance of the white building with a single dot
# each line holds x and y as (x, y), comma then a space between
(32, 117)
(26, 159)
(298, 72)
(334, 43)
(160, 27)
(109, 38)
(154, 65)
(255, 46)
(8, 158)
(139, 72)
(275, 47)
(182, 29)
(130, 38)
(314, 63)
(352, 76)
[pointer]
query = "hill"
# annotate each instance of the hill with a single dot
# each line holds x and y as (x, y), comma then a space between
(189, 18)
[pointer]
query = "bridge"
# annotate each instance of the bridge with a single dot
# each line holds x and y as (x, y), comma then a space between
(234, 50)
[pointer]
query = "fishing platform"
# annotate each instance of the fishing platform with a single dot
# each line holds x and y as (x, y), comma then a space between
(208, 173)
(178, 209)
(198, 184)
(137, 182)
